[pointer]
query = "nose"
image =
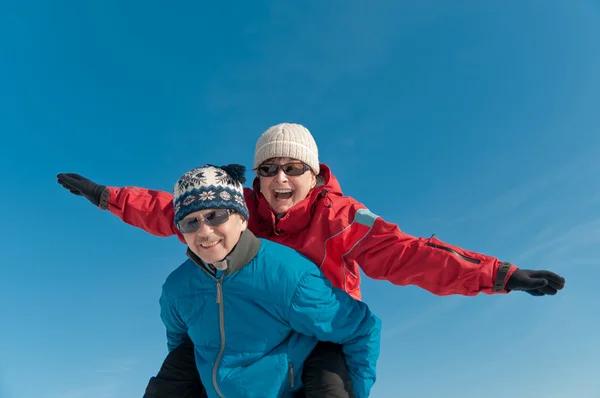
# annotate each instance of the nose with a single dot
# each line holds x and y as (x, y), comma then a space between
(204, 230)
(281, 177)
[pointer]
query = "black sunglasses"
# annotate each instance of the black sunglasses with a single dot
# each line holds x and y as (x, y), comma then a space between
(212, 219)
(290, 169)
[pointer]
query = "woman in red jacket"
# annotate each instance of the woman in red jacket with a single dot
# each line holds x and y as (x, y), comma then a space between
(296, 201)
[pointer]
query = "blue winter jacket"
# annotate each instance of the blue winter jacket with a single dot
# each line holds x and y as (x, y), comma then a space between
(254, 324)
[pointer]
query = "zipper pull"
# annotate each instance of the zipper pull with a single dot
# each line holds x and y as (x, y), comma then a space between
(218, 291)
(291, 375)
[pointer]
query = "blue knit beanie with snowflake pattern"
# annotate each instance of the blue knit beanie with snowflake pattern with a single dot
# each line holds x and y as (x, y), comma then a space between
(210, 187)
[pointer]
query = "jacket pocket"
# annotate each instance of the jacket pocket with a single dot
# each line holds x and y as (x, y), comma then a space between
(248, 374)
(453, 251)
(351, 280)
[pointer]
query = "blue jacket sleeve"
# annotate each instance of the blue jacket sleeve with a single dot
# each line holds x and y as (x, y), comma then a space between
(330, 314)
(176, 328)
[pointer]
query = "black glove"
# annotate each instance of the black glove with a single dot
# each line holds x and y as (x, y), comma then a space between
(536, 283)
(78, 185)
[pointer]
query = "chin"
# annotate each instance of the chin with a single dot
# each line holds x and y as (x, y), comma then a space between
(282, 209)
(213, 259)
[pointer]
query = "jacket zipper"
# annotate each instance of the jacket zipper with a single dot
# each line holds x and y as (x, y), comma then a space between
(448, 249)
(219, 300)
(222, 332)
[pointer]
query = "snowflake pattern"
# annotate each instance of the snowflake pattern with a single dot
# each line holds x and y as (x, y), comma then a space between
(200, 187)
(225, 195)
(200, 177)
(191, 180)
(223, 178)
(210, 195)
(187, 201)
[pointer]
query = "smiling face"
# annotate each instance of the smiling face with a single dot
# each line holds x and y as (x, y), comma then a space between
(213, 244)
(283, 191)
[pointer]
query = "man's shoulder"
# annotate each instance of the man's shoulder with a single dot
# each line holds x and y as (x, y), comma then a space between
(283, 259)
(280, 270)
(179, 275)
(273, 249)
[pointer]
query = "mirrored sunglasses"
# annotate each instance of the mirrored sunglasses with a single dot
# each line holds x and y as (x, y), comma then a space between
(290, 169)
(212, 219)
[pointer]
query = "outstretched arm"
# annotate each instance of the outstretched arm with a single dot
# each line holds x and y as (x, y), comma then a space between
(147, 209)
(383, 251)
(144, 208)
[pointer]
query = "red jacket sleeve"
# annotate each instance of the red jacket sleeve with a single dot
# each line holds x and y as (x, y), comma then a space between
(385, 252)
(147, 209)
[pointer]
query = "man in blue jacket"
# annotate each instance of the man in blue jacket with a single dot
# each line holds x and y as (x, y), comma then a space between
(254, 309)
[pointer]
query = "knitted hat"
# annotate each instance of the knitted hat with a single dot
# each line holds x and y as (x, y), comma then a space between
(210, 187)
(287, 140)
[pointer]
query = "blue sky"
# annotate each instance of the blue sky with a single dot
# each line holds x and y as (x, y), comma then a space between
(477, 121)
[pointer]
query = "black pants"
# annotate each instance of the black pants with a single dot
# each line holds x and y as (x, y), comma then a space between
(325, 375)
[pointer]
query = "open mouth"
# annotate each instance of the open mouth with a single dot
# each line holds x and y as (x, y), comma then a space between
(282, 194)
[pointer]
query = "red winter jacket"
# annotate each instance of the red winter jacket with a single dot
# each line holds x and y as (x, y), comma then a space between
(338, 234)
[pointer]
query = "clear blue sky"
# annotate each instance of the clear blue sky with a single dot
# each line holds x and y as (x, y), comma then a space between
(477, 121)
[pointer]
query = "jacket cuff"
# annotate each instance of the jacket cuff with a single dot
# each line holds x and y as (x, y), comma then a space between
(502, 276)
(104, 196)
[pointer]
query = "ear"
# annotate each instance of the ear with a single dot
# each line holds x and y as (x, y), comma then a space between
(313, 180)
(244, 223)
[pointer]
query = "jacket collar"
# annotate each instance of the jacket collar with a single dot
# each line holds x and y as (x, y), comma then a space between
(299, 216)
(246, 249)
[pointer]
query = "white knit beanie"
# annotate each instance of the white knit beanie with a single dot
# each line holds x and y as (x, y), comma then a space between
(287, 140)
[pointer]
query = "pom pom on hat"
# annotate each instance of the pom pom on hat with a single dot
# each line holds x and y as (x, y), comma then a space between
(236, 172)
